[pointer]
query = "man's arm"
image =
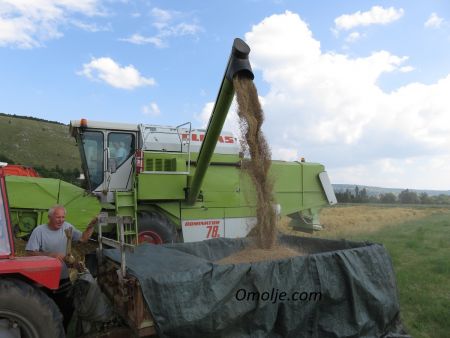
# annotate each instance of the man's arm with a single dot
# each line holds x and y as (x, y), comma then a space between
(89, 230)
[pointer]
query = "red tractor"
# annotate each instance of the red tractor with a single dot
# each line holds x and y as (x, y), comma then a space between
(26, 310)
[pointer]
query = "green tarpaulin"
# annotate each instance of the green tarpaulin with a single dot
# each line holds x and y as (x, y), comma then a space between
(338, 289)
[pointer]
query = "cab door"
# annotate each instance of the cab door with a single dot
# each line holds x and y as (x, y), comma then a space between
(121, 147)
(92, 152)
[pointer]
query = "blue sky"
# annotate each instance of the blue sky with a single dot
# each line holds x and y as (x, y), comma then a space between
(360, 86)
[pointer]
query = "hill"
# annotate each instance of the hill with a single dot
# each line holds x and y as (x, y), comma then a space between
(37, 143)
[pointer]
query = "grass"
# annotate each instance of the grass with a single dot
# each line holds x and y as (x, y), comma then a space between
(420, 251)
(38, 143)
(418, 241)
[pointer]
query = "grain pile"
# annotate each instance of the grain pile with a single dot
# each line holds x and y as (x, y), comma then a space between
(251, 117)
(253, 254)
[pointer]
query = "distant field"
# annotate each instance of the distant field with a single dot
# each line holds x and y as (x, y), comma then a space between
(418, 240)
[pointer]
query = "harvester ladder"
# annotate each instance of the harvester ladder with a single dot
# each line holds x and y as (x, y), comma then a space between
(122, 222)
(126, 205)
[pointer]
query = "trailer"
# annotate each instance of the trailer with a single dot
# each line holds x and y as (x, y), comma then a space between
(330, 288)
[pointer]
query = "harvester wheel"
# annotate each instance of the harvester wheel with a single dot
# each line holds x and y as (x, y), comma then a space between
(26, 311)
(154, 227)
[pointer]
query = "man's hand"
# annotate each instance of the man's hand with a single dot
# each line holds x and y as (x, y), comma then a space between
(58, 255)
(89, 230)
(93, 222)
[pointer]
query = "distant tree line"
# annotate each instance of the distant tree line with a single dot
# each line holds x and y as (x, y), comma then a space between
(404, 197)
(67, 175)
(30, 118)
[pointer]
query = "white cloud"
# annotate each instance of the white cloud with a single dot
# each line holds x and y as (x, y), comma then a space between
(172, 24)
(107, 70)
(377, 15)
(231, 122)
(168, 24)
(329, 108)
(151, 110)
(91, 27)
(353, 37)
(434, 21)
(162, 16)
(406, 69)
(138, 39)
(28, 23)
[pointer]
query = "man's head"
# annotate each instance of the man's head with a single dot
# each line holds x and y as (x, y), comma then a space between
(56, 217)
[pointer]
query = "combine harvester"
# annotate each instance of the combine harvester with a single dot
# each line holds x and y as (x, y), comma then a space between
(177, 183)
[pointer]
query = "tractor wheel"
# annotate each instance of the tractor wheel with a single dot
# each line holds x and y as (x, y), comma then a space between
(27, 312)
(155, 228)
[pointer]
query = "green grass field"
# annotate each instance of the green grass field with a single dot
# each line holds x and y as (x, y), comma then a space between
(38, 143)
(420, 251)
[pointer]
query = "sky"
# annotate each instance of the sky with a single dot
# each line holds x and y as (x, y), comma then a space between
(362, 87)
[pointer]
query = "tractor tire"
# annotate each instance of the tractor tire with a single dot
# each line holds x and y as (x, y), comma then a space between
(27, 312)
(155, 228)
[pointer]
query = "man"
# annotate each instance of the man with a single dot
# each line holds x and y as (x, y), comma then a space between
(50, 240)
(121, 153)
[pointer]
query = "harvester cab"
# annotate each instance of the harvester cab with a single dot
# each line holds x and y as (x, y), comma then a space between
(107, 170)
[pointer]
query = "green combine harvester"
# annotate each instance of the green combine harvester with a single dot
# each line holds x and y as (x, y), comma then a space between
(177, 183)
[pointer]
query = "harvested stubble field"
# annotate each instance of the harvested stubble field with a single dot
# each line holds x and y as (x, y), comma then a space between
(418, 240)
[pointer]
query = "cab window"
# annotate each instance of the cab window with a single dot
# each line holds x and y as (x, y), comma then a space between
(121, 147)
(93, 152)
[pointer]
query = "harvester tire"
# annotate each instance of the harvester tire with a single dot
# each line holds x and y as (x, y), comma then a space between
(156, 228)
(26, 311)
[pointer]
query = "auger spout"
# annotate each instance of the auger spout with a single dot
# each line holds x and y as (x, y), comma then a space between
(238, 63)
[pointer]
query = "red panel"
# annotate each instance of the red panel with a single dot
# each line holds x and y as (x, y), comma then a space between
(40, 269)
(19, 170)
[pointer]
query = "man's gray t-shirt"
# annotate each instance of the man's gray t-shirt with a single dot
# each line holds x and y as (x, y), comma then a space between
(46, 240)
